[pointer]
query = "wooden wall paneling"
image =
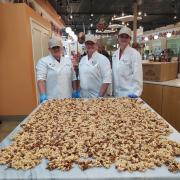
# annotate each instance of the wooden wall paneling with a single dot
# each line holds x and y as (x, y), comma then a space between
(152, 95)
(171, 106)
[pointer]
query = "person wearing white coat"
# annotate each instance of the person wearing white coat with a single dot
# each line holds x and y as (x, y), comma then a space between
(94, 71)
(55, 74)
(126, 68)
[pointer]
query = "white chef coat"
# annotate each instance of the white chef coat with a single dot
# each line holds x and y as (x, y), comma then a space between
(127, 73)
(58, 76)
(93, 73)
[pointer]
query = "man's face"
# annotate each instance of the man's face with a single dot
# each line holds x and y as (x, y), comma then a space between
(81, 37)
(56, 52)
(91, 47)
(124, 39)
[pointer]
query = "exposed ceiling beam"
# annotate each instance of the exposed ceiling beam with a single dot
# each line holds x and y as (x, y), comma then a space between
(111, 13)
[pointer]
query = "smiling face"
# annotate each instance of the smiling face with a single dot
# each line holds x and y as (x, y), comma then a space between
(91, 47)
(124, 40)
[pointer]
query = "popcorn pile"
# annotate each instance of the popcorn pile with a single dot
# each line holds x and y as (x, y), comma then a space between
(93, 133)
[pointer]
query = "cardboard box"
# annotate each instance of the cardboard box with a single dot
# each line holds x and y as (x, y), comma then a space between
(160, 71)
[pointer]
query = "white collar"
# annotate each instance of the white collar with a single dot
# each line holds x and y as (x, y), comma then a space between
(93, 55)
(124, 49)
(89, 61)
(119, 50)
(54, 59)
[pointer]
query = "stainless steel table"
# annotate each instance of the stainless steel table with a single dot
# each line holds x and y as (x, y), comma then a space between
(40, 171)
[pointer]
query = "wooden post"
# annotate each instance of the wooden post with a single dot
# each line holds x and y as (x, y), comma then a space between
(135, 13)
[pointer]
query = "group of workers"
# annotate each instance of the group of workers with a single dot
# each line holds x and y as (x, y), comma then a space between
(57, 79)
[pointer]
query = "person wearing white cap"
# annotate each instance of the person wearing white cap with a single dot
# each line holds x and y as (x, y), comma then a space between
(126, 68)
(94, 71)
(55, 73)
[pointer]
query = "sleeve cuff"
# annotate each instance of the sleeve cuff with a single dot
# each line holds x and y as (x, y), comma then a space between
(41, 78)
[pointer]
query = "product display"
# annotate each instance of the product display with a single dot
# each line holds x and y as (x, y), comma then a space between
(93, 133)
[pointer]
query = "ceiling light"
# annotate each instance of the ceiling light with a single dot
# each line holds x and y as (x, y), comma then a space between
(122, 13)
(91, 25)
(139, 13)
(92, 14)
(168, 35)
(122, 23)
(71, 16)
(145, 14)
(126, 18)
(68, 29)
(106, 31)
(175, 17)
(146, 39)
(156, 36)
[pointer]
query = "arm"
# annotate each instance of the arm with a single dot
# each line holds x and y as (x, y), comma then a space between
(106, 73)
(75, 71)
(137, 75)
(41, 73)
(74, 78)
(75, 84)
(113, 76)
(42, 86)
(103, 89)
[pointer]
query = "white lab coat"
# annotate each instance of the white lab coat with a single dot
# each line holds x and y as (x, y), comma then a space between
(93, 73)
(58, 76)
(127, 73)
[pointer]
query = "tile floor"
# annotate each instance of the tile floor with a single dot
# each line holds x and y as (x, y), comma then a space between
(7, 125)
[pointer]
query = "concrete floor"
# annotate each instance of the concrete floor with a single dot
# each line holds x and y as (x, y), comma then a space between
(8, 124)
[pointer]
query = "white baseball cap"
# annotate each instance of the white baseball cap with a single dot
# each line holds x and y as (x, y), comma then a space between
(91, 38)
(54, 42)
(125, 30)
